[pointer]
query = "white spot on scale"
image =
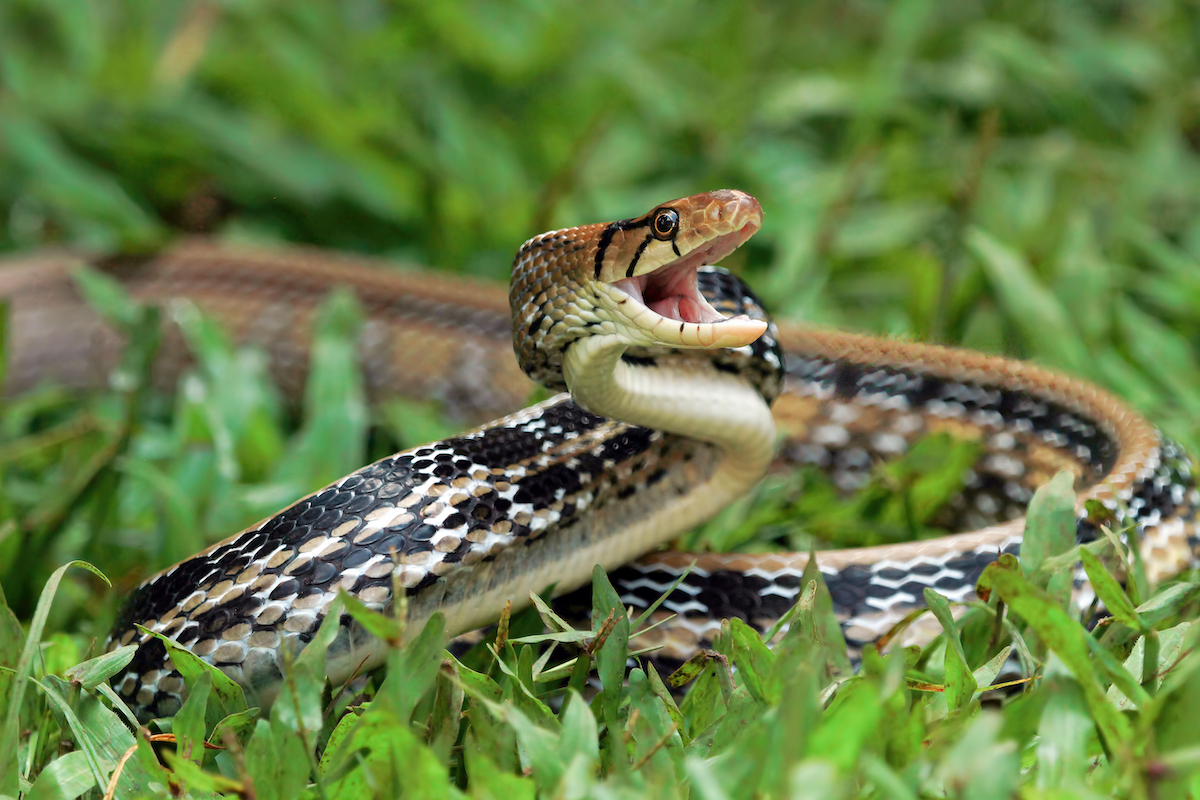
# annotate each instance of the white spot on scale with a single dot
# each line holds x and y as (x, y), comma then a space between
(886, 603)
(835, 435)
(1002, 441)
(844, 413)
(889, 443)
(689, 607)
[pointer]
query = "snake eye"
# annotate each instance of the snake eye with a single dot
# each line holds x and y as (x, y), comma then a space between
(665, 223)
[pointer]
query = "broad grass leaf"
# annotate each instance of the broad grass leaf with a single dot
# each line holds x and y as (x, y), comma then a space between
(754, 661)
(741, 710)
(230, 697)
(657, 741)
(1118, 675)
(65, 778)
(98, 732)
(412, 670)
(578, 738)
(1172, 642)
(192, 779)
(108, 296)
(1118, 373)
(53, 689)
(283, 162)
(391, 762)
(980, 765)
(1110, 591)
(332, 753)
(1041, 318)
(1174, 716)
(188, 724)
(659, 690)
(1083, 280)
(276, 761)
(874, 230)
(477, 684)
(11, 640)
(613, 653)
(233, 395)
(703, 704)
(331, 442)
(1050, 531)
(889, 782)
(1167, 603)
(10, 734)
(848, 724)
(1165, 355)
(817, 621)
(239, 724)
(518, 691)
(111, 737)
(811, 94)
(179, 518)
(538, 747)
(1171, 259)
(800, 707)
(1064, 637)
(381, 626)
(80, 189)
(298, 706)
(488, 782)
(445, 717)
(524, 694)
(818, 780)
(706, 781)
(986, 673)
(1063, 757)
(960, 682)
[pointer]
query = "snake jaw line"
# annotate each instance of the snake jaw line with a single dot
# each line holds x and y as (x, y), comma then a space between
(641, 325)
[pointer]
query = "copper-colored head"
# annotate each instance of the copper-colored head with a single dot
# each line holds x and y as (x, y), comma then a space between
(634, 277)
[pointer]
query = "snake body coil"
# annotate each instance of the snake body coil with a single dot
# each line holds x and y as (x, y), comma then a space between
(637, 457)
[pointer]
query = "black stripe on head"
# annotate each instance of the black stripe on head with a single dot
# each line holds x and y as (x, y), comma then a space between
(638, 255)
(607, 236)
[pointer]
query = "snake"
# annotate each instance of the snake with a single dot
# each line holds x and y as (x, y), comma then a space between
(677, 394)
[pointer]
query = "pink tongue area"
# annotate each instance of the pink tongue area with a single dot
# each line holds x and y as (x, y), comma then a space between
(675, 307)
(682, 308)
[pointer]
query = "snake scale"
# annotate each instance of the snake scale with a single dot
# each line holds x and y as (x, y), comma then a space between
(672, 364)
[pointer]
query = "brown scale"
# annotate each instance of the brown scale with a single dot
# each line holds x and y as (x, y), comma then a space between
(425, 337)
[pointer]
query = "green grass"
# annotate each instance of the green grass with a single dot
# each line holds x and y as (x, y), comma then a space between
(1019, 178)
(1109, 712)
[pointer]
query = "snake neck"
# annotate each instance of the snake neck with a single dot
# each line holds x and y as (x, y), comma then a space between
(691, 399)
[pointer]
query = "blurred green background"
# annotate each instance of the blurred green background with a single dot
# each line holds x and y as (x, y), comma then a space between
(1017, 177)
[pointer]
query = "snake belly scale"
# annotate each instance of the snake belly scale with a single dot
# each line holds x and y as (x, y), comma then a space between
(539, 496)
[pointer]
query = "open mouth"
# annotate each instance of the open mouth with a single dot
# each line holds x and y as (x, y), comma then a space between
(673, 292)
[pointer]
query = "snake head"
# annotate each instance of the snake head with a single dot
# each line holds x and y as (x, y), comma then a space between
(647, 268)
(634, 278)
